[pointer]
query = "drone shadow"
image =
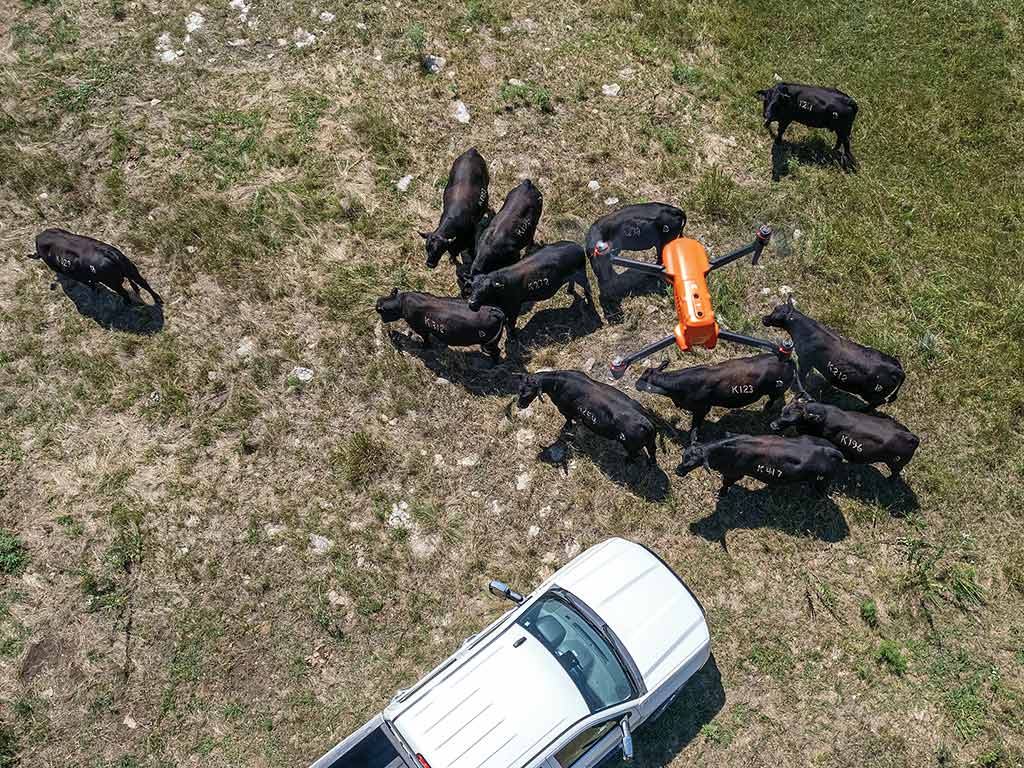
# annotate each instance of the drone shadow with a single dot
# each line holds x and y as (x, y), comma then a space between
(648, 481)
(791, 509)
(697, 704)
(813, 150)
(106, 309)
(473, 371)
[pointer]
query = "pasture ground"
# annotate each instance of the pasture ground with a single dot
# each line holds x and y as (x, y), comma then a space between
(208, 562)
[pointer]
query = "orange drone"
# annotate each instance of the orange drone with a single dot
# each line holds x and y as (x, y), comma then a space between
(686, 266)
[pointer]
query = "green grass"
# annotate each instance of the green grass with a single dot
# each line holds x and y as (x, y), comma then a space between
(13, 555)
(890, 656)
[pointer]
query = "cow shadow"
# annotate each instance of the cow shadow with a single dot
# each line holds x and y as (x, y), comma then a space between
(813, 150)
(696, 705)
(649, 482)
(791, 509)
(868, 484)
(742, 421)
(108, 310)
(562, 324)
(624, 285)
(470, 369)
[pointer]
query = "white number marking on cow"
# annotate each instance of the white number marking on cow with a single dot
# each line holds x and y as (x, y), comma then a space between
(483, 196)
(743, 389)
(632, 230)
(771, 471)
(534, 285)
(588, 415)
(435, 326)
(835, 372)
(804, 104)
(850, 442)
(878, 387)
(780, 384)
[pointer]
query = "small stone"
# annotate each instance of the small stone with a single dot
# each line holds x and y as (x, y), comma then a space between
(281, 42)
(191, 249)
(303, 38)
(729, 141)
(238, 42)
(304, 375)
(611, 90)
(523, 481)
(433, 64)
(766, 291)
(500, 127)
(533, 532)
(589, 364)
(130, 722)
(194, 22)
(404, 182)
(360, 25)
(327, 17)
(319, 544)
(611, 200)
(515, 81)
(438, 460)
(247, 348)
(441, 380)
(785, 290)
(593, 186)
(797, 234)
(44, 196)
(168, 56)
(469, 461)
(572, 549)
(460, 112)
(272, 530)
(777, 77)
(154, 102)
(400, 517)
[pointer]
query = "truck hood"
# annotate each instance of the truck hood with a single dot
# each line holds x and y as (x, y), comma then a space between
(651, 611)
(497, 709)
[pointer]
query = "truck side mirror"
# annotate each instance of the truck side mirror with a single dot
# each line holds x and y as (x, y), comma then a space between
(501, 589)
(627, 741)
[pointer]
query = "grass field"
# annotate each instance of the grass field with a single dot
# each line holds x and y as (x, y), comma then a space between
(204, 561)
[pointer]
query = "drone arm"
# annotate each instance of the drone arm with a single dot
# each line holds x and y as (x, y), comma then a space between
(620, 364)
(764, 234)
(641, 266)
(751, 341)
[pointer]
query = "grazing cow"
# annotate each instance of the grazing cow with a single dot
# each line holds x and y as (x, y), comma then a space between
(510, 231)
(450, 321)
(632, 228)
(732, 384)
(89, 261)
(465, 204)
(600, 407)
(786, 103)
(873, 376)
(768, 458)
(863, 439)
(535, 278)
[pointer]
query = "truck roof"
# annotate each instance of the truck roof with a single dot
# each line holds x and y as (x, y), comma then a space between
(508, 699)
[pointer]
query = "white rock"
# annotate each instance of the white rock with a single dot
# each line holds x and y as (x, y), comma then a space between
(377, 55)
(469, 461)
(460, 112)
(272, 531)
(168, 56)
(729, 141)
(336, 599)
(238, 42)
(778, 77)
(190, 249)
(242, 7)
(797, 234)
(360, 25)
(612, 89)
(399, 516)
(327, 17)
(281, 42)
(572, 549)
(44, 196)
(611, 200)
(130, 722)
(303, 38)
(766, 291)
(305, 375)
(434, 64)
(154, 102)
(247, 348)
(533, 532)
(194, 22)
(589, 364)
(785, 290)
(438, 460)
(523, 481)
(500, 127)
(404, 182)
(524, 436)
(515, 81)
(319, 544)
(593, 186)
(627, 73)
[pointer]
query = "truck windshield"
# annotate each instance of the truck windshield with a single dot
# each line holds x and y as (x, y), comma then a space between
(581, 650)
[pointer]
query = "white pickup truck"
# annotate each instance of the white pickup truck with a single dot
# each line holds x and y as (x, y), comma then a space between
(559, 681)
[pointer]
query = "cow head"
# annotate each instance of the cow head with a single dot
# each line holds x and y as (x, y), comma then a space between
(693, 457)
(779, 317)
(797, 413)
(770, 98)
(436, 247)
(529, 388)
(648, 379)
(390, 307)
(482, 288)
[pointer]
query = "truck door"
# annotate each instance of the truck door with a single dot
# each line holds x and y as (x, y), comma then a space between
(588, 748)
(372, 746)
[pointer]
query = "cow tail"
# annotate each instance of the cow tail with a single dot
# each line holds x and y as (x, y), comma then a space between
(132, 273)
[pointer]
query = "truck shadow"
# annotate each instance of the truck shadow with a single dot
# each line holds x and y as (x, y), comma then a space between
(106, 309)
(467, 367)
(697, 704)
(791, 509)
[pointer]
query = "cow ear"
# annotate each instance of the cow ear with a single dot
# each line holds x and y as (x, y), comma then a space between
(425, 235)
(394, 293)
(762, 94)
(789, 301)
(663, 365)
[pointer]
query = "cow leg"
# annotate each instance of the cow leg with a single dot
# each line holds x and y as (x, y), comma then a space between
(695, 424)
(727, 483)
(850, 159)
(581, 280)
(774, 402)
(782, 129)
(492, 351)
(652, 449)
(802, 372)
(120, 291)
(821, 485)
(894, 471)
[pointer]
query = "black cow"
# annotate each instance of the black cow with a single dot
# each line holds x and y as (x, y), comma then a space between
(732, 384)
(535, 278)
(863, 439)
(786, 103)
(873, 376)
(602, 408)
(450, 321)
(632, 228)
(465, 205)
(89, 261)
(511, 230)
(771, 459)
